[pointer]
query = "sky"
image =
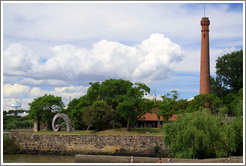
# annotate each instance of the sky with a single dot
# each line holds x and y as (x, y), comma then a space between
(58, 48)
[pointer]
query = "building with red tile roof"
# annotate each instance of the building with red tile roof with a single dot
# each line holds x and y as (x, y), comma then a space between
(151, 120)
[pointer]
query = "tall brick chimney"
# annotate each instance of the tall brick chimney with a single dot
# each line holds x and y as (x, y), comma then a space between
(205, 67)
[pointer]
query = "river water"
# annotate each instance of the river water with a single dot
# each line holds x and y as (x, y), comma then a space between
(23, 158)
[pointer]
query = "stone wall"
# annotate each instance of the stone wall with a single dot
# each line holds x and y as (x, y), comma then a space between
(91, 144)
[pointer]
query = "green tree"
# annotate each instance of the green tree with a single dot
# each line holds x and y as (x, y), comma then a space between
(112, 91)
(210, 101)
(98, 115)
(201, 134)
(156, 105)
(229, 74)
(43, 108)
(170, 105)
(75, 111)
(237, 104)
(133, 105)
(193, 135)
(232, 137)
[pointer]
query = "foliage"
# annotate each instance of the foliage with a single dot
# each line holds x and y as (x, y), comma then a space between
(12, 120)
(156, 104)
(43, 108)
(75, 111)
(112, 91)
(217, 87)
(133, 105)
(170, 105)
(237, 104)
(229, 74)
(98, 115)
(10, 146)
(232, 137)
(201, 135)
(210, 101)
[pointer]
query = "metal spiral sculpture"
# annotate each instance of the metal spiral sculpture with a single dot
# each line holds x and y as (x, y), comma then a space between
(57, 127)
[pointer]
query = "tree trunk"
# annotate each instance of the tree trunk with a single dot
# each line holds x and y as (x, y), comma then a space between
(49, 127)
(128, 123)
(38, 125)
(88, 127)
(159, 122)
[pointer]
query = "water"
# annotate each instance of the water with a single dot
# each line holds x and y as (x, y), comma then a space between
(23, 158)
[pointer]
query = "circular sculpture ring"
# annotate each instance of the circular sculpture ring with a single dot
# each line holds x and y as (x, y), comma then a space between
(57, 127)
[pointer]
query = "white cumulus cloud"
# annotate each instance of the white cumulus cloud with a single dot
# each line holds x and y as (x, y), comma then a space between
(16, 90)
(152, 59)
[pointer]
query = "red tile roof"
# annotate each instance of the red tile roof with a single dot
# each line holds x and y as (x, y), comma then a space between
(174, 117)
(150, 117)
(153, 117)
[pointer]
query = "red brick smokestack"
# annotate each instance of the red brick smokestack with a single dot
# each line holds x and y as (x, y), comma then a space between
(205, 67)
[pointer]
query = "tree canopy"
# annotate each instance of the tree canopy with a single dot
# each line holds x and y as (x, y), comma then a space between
(124, 97)
(229, 74)
(210, 101)
(99, 115)
(43, 108)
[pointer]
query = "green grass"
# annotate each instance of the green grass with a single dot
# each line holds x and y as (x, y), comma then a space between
(121, 131)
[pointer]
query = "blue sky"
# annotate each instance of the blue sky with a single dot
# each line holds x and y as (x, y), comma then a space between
(58, 48)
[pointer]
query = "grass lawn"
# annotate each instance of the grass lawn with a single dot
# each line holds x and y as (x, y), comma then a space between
(121, 131)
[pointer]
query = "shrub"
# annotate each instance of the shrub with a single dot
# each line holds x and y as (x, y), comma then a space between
(10, 146)
(11, 125)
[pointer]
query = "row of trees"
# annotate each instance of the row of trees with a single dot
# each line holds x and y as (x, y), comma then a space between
(13, 119)
(110, 104)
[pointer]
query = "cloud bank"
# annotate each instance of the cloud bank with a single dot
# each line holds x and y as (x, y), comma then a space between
(18, 93)
(152, 59)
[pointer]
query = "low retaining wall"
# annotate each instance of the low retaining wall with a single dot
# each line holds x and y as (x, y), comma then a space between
(91, 144)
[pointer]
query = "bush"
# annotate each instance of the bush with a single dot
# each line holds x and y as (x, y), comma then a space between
(202, 135)
(11, 125)
(10, 146)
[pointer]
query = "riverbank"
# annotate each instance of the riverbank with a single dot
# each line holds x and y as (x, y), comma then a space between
(126, 159)
(35, 158)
